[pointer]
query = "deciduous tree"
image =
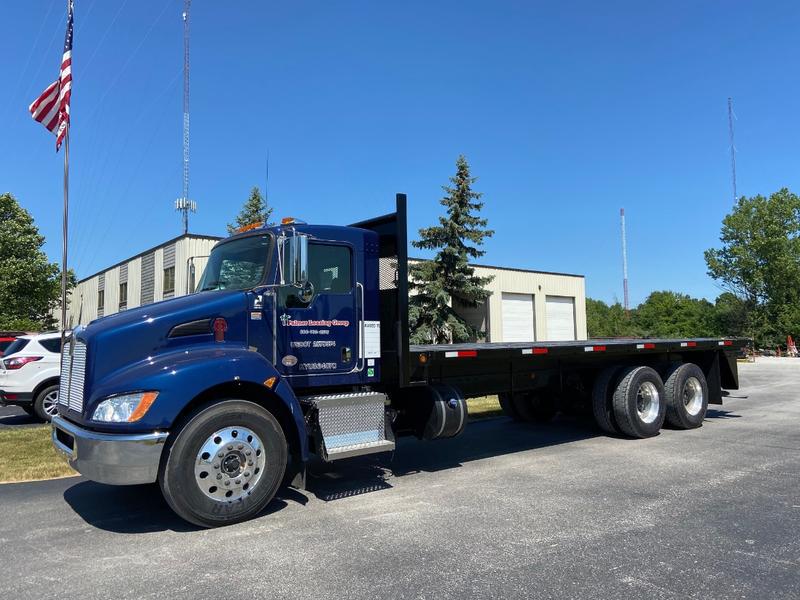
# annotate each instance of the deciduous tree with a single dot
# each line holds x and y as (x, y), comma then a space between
(30, 285)
(759, 262)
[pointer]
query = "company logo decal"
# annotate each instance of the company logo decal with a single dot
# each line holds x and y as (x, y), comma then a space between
(287, 321)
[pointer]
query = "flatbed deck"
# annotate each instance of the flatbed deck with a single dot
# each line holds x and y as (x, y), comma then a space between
(497, 367)
(585, 346)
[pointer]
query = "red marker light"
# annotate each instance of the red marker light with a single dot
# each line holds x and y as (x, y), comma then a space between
(220, 327)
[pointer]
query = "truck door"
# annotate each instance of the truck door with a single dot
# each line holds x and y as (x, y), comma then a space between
(318, 326)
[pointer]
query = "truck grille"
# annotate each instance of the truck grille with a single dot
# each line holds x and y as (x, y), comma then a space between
(73, 371)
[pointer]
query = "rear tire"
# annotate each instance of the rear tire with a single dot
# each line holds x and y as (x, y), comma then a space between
(45, 406)
(535, 407)
(28, 408)
(507, 405)
(603, 400)
(639, 402)
(687, 396)
(210, 490)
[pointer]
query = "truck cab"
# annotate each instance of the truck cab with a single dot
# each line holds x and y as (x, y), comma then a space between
(284, 323)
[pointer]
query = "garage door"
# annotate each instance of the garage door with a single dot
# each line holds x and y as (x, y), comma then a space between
(518, 318)
(560, 318)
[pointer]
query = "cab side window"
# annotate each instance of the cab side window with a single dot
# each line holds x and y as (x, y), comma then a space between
(329, 271)
(329, 268)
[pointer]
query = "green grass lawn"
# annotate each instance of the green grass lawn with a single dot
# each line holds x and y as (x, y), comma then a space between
(27, 453)
(486, 406)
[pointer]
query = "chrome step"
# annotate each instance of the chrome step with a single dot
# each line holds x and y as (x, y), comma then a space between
(351, 424)
(359, 449)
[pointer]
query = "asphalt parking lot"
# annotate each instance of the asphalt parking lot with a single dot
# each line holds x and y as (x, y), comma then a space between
(505, 511)
(14, 416)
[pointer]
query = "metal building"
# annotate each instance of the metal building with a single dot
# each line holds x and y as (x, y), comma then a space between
(527, 306)
(524, 305)
(165, 271)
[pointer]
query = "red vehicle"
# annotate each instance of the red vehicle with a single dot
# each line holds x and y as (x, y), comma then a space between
(6, 337)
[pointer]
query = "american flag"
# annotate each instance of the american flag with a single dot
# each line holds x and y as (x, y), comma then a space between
(51, 109)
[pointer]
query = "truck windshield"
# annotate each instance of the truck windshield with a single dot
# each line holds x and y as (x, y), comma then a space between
(237, 265)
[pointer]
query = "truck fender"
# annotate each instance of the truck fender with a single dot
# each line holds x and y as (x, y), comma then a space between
(182, 375)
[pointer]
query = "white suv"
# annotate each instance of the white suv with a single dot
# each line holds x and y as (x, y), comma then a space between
(29, 372)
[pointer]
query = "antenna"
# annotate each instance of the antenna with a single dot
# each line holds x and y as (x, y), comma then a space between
(733, 148)
(183, 204)
(624, 261)
(266, 182)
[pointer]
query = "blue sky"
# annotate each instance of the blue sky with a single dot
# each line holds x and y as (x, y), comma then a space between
(567, 111)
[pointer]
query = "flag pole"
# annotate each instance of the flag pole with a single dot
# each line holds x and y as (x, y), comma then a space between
(64, 242)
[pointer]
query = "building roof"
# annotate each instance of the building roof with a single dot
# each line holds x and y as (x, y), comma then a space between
(216, 238)
(195, 236)
(512, 269)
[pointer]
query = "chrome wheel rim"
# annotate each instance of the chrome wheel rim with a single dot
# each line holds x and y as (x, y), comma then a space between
(230, 464)
(50, 404)
(648, 402)
(693, 396)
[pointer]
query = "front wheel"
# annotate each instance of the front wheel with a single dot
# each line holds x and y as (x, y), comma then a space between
(45, 405)
(224, 464)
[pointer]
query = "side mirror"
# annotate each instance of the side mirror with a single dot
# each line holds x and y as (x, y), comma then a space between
(298, 260)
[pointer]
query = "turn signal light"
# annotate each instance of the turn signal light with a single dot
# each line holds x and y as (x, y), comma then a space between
(146, 402)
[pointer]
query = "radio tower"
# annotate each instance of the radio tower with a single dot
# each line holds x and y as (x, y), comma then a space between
(183, 204)
(733, 148)
(624, 261)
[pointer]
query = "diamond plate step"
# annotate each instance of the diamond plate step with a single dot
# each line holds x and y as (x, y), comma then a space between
(351, 424)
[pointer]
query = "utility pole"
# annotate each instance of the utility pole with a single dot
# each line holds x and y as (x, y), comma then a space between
(624, 262)
(184, 204)
(733, 148)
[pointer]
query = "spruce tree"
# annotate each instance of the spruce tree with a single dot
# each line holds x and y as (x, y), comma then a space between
(441, 284)
(254, 210)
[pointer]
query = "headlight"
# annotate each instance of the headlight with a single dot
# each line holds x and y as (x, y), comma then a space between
(125, 408)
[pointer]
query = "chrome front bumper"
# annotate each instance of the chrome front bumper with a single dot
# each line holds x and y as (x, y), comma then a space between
(112, 458)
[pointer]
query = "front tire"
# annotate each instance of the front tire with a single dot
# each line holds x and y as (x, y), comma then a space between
(639, 402)
(224, 464)
(45, 406)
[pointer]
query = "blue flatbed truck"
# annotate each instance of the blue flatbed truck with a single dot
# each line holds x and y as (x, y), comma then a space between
(296, 343)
